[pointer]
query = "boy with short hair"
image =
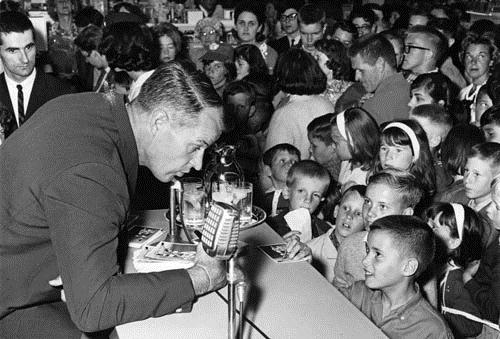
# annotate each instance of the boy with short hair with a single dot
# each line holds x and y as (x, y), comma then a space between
(399, 249)
(490, 124)
(390, 192)
(483, 164)
(306, 186)
(348, 220)
(276, 163)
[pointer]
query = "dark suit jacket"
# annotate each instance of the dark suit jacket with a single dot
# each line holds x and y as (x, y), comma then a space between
(282, 44)
(46, 87)
(63, 204)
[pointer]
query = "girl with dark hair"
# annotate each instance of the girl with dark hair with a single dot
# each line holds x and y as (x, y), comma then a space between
(404, 146)
(248, 60)
(459, 231)
(302, 82)
(170, 41)
(357, 138)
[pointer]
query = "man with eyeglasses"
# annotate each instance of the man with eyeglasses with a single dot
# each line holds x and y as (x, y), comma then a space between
(312, 25)
(344, 32)
(424, 50)
(289, 20)
(364, 20)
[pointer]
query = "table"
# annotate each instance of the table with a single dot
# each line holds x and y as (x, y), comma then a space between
(284, 301)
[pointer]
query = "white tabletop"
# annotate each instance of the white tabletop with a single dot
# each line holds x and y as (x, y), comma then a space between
(284, 301)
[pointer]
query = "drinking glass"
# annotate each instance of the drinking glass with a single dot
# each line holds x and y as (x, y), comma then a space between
(238, 194)
(193, 203)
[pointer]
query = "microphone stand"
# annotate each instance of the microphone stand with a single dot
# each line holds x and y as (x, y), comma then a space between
(231, 288)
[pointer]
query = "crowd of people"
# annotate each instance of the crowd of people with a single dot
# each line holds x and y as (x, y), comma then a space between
(382, 126)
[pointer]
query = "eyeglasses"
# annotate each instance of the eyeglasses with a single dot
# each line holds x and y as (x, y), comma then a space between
(211, 32)
(407, 48)
(289, 17)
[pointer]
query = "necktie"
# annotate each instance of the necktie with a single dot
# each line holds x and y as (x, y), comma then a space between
(100, 81)
(20, 104)
(292, 43)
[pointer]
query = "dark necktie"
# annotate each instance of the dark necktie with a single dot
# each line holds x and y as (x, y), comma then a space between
(292, 43)
(20, 104)
(100, 81)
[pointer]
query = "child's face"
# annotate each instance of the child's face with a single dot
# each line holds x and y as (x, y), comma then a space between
(483, 102)
(216, 72)
(383, 263)
(242, 68)
(320, 151)
(382, 200)
(282, 161)
(395, 156)
(492, 132)
(493, 209)
(306, 193)
(349, 215)
(419, 96)
(443, 232)
(341, 145)
(477, 178)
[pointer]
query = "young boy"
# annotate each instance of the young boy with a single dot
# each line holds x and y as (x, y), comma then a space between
(490, 124)
(276, 163)
(348, 220)
(436, 122)
(306, 185)
(483, 164)
(390, 192)
(399, 249)
(322, 147)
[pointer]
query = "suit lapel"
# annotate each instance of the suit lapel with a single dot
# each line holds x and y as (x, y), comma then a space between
(36, 93)
(5, 100)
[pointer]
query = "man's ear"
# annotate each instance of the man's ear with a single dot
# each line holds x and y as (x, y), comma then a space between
(286, 193)
(336, 211)
(408, 211)
(159, 119)
(380, 64)
(267, 170)
(410, 267)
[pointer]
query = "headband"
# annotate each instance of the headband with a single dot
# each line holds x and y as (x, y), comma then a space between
(459, 211)
(411, 134)
(340, 119)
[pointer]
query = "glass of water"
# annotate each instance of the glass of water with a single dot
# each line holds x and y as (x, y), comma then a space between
(242, 200)
(193, 203)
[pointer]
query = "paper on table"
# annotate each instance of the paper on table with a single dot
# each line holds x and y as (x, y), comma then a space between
(300, 220)
(164, 256)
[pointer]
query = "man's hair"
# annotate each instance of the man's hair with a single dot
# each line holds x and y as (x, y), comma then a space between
(436, 113)
(320, 128)
(183, 93)
(411, 237)
(370, 48)
(364, 12)
(15, 22)
(130, 46)
(491, 116)
(403, 182)
(312, 14)
(89, 16)
(487, 151)
(89, 39)
(239, 86)
(268, 156)
(287, 4)
(447, 26)
(437, 41)
(346, 26)
(309, 169)
(298, 72)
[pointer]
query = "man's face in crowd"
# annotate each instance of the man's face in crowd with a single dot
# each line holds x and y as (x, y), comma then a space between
(290, 21)
(17, 53)
(174, 149)
(310, 34)
(362, 26)
(370, 76)
(344, 37)
(416, 54)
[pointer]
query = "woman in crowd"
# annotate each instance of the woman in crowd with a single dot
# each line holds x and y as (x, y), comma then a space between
(170, 40)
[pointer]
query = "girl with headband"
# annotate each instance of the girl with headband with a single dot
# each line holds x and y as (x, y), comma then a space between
(459, 231)
(404, 146)
(356, 137)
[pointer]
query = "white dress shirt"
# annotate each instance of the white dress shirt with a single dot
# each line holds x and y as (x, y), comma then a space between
(27, 87)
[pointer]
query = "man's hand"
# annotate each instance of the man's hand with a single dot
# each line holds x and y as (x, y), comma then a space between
(209, 274)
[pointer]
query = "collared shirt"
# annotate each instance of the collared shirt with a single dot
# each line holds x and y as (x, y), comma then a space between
(415, 319)
(27, 87)
(136, 85)
(294, 41)
(477, 207)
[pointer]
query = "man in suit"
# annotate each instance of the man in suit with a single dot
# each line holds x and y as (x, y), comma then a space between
(64, 202)
(88, 42)
(23, 89)
(289, 20)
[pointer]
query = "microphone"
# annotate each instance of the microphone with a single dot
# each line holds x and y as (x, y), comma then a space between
(220, 232)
